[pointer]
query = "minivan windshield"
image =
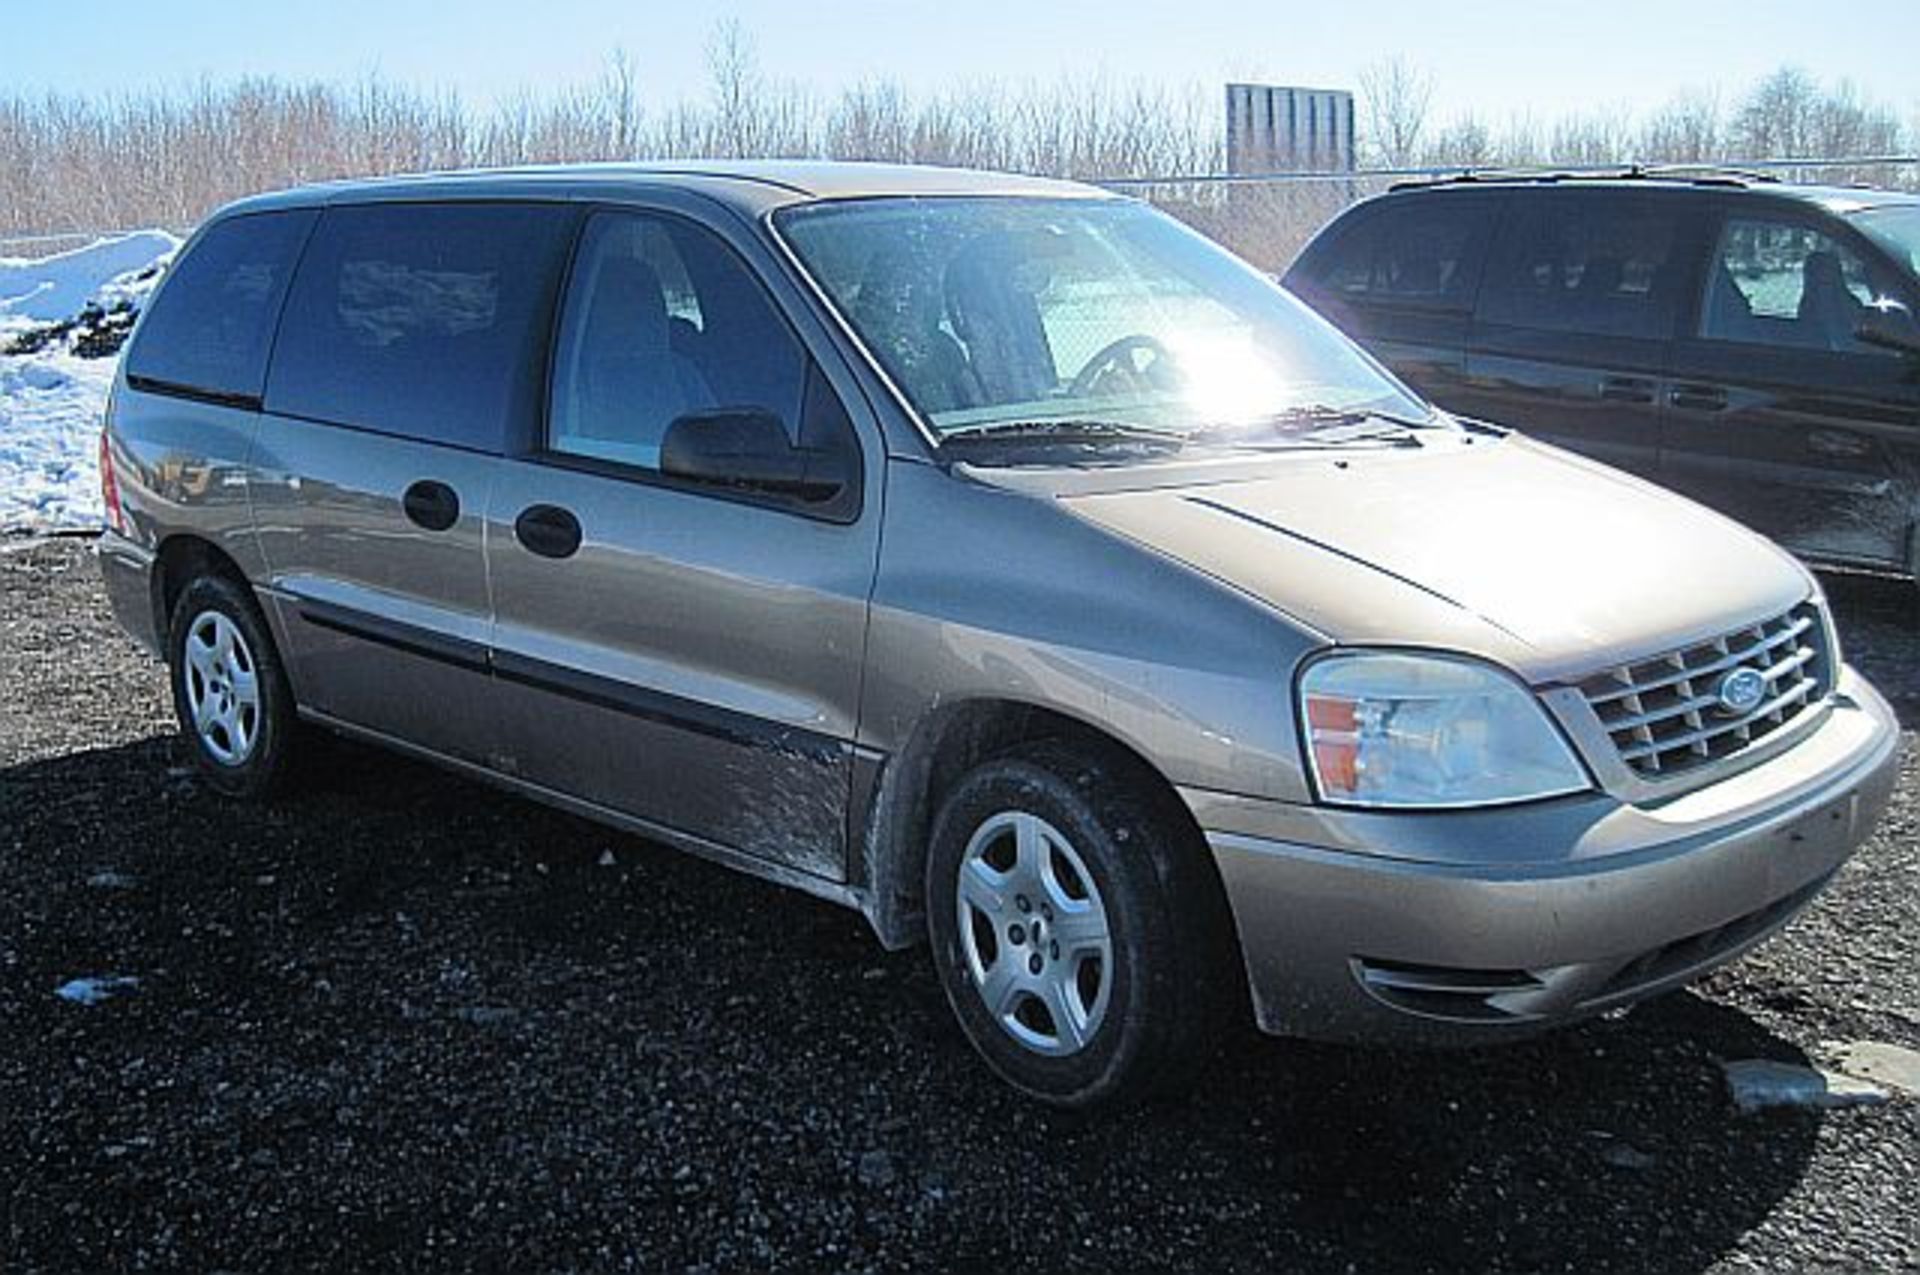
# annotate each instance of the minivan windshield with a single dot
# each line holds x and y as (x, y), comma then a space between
(1094, 319)
(1897, 229)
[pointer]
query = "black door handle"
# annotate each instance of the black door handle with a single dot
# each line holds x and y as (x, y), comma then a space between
(548, 530)
(1627, 389)
(1699, 398)
(431, 504)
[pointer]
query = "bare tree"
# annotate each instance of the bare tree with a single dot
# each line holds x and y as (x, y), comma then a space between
(1844, 125)
(1587, 140)
(617, 89)
(734, 70)
(1777, 118)
(1465, 143)
(1396, 96)
(74, 162)
(1522, 144)
(1686, 130)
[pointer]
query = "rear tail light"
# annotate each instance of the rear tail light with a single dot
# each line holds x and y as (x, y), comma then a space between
(110, 486)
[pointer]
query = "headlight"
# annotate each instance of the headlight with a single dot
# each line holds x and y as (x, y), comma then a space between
(1388, 728)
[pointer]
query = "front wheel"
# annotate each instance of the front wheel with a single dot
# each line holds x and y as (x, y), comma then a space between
(229, 689)
(1078, 929)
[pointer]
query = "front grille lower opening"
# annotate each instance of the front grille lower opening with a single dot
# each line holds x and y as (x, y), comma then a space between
(1695, 950)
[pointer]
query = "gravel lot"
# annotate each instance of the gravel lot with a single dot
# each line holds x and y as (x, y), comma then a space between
(402, 1020)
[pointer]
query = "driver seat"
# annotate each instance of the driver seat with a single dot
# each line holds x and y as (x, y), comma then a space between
(998, 319)
(1828, 309)
(901, 319)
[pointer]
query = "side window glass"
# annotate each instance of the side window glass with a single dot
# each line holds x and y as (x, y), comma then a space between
(662, 320)
(1606, 267)
(211, 326)
(423, 320)
(1421, 253)
(1781, 282)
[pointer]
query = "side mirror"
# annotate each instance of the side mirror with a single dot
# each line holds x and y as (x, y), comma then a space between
(748, 448)
(1889, 325)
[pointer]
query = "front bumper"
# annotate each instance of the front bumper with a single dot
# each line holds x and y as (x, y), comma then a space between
(1464, 926)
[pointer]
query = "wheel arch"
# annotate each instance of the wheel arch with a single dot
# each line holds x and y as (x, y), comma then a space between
(181, 559)
(948, 742)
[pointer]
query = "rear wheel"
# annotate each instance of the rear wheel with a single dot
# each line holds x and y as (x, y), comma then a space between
(1077, 927)
(230, 691)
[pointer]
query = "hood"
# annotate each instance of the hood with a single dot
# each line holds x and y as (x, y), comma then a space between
(1546, 562)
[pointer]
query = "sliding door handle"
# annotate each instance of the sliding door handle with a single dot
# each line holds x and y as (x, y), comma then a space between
(1626, 389)
(1699, 398)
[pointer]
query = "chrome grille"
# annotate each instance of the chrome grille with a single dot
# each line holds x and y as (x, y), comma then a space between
(1665, 715)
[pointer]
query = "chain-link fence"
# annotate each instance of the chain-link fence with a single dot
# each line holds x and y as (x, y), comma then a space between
(1268, 217)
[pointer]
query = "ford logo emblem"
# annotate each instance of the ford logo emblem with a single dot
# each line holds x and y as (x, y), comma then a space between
(1741, 690)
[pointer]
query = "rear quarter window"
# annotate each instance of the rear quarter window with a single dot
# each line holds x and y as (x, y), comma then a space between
(1419, 251)
(210, 327)
(428, 321)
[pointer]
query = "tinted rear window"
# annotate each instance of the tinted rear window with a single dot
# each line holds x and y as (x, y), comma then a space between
(1614, 267)
(210, 327)
(1421, 251)
(425, 320)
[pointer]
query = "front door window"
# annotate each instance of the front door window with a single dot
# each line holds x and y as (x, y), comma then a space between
(1782, 282)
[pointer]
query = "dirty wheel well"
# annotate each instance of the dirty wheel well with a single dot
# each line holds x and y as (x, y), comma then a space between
(182, 560)
(943, 751)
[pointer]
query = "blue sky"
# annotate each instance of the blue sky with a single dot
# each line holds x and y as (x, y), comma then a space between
(1498, 59)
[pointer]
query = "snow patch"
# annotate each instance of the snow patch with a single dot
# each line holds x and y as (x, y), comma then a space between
(1756, 1084)
(51, 407)
(92, 991)
(52, 399)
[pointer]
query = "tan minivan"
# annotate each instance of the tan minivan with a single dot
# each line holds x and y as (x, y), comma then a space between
(994, 556)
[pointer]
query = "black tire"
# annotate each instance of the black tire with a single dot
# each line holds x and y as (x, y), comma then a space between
(1175, 962)
(264, 766)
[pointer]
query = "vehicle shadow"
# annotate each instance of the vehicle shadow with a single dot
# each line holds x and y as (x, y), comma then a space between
(399, 951)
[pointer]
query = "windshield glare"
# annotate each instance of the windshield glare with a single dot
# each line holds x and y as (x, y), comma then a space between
(1897, 230)
(992, 311)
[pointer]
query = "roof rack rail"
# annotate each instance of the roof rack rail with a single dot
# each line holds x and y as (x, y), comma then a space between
(1695, 174)
(1709, 174)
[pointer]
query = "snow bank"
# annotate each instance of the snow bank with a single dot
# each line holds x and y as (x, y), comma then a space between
(47, 289)
(52, 400)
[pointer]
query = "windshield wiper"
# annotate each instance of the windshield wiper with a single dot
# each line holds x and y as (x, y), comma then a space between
(1301, 426)
(1067, 430)
(1318, 424)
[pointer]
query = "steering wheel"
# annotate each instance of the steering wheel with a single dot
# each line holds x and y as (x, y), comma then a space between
(1116, 369)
